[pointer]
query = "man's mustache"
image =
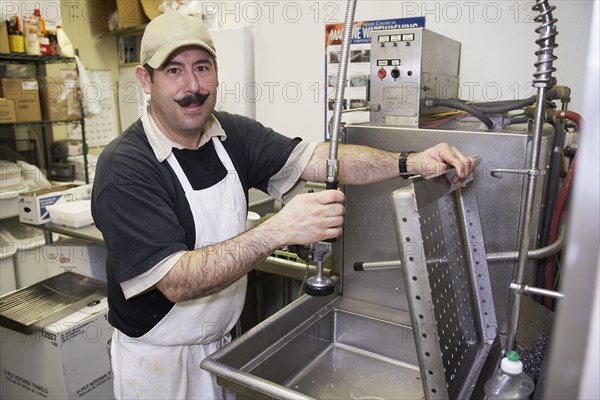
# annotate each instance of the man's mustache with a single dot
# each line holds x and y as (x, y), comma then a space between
(193, 98)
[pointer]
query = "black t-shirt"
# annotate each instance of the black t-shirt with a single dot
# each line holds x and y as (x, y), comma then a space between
(142, 212)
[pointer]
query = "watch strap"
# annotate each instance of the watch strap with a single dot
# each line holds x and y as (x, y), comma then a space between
(402, 164)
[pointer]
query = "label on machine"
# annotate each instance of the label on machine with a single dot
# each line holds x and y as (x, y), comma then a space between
(386, 63)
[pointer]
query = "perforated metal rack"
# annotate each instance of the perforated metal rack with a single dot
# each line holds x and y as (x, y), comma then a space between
(447, 283)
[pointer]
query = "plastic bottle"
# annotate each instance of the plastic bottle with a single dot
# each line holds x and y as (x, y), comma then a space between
(32, 35)
(509, 383)
(65, 47)
(42, 24)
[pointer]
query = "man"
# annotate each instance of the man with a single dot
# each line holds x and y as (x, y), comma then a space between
(170, 197)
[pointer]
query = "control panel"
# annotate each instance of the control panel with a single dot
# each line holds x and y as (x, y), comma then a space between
(409, 66)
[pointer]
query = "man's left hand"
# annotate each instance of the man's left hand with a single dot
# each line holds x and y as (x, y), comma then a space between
(438, 159)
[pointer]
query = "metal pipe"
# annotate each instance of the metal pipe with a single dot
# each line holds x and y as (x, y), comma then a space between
(543, 81)
(497, 172)
(377, 265)
(333, 163)
(536, 254)
(525, 228)
(526, 289)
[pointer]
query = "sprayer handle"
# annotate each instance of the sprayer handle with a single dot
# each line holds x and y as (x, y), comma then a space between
(331, 186)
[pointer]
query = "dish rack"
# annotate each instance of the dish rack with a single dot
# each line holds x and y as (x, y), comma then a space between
(447, 282)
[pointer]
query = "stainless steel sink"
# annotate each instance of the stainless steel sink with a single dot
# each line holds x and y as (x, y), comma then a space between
(325, 348)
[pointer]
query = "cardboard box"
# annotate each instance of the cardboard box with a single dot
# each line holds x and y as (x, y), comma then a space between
(67, 359)
(120, 14)
(59, 99)
(32, 205)
(131, 13)
(77, 256)
(7, 111)
(8, 281)
(4, 47)
(25, 93)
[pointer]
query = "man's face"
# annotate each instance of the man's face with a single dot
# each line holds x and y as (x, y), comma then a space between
(183, 92)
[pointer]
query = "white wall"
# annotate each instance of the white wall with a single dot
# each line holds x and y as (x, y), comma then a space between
(498, 46)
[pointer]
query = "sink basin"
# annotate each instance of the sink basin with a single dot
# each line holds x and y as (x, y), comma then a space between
(323, 348)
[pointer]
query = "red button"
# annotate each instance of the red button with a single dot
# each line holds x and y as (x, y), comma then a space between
(381, 73)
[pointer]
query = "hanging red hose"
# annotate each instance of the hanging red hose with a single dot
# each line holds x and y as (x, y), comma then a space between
(560, 204)
(571, 115)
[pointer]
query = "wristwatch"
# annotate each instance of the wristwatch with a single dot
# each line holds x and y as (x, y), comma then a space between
(402, 167)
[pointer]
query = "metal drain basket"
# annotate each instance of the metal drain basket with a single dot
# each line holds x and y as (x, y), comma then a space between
(447, 283)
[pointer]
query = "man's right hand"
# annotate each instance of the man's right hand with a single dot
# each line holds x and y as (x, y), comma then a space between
(310, 218)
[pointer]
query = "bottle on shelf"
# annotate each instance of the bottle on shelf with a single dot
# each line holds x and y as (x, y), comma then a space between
(38, 16)
(16, 44)
(32, 35)
(45, 46)
(65, 47)
(510, 382)
(53, 41)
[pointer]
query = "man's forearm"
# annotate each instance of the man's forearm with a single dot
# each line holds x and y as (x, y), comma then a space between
(212, 268)
(362, 165)
(358, 164)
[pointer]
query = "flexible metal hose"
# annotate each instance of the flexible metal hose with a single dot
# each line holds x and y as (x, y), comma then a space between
(333, 163)
(547, 34)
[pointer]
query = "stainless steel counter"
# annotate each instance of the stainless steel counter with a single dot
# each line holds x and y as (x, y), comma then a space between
(89, 233)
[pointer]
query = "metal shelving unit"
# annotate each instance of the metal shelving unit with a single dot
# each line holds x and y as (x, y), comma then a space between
(40, 63)
(20, 58)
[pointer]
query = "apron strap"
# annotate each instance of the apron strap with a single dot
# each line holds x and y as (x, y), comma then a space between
(223, 156)
(187, 186)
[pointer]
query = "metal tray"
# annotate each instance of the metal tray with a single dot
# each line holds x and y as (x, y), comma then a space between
(447, 281)
(29, 309)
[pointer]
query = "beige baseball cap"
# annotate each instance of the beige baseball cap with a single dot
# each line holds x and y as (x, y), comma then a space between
(170, 31)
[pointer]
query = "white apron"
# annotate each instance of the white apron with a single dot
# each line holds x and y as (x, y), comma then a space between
(165, 362)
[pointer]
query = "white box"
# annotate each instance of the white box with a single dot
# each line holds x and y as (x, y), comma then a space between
(11, 184)
(8, 199)
(28, 260)
(76, 256)
(76, 214)
(67, 359)
(7, 266)
(32, 205)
